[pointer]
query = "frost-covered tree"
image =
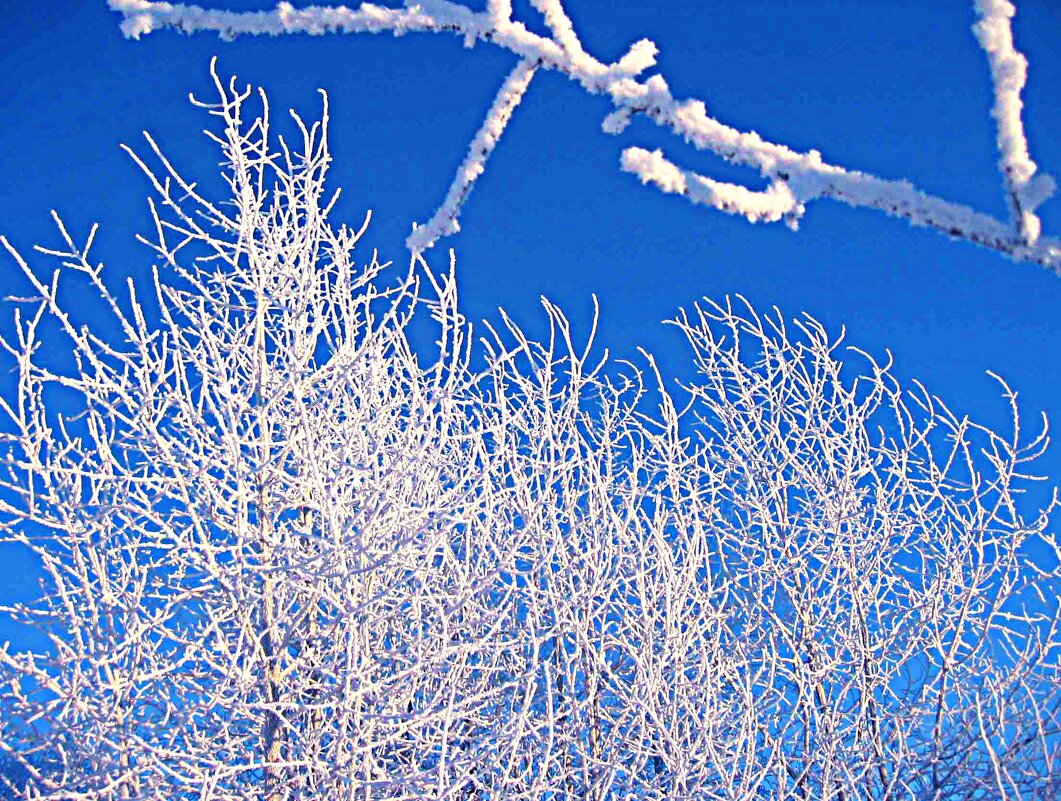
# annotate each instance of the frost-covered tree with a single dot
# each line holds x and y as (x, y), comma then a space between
(291, 549)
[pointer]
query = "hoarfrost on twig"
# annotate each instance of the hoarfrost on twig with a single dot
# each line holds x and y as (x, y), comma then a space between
(1009, 72)
(444, 220)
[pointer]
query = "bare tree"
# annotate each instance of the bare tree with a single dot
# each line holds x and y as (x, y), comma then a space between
(794, 179)
(292, 551)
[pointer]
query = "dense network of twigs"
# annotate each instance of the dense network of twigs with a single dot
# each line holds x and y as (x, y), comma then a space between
(290, 551)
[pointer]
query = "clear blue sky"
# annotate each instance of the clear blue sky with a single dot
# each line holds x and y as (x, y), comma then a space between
(898, 88)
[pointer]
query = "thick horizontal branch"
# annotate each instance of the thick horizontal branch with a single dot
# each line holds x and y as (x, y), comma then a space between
(803, 175)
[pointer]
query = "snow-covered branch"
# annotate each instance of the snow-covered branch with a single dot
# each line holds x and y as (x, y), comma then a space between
(775, 203)
(794, 178)
(444, 221)
(1009, 71)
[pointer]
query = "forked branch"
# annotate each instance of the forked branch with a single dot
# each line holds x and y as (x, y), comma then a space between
(794, 178)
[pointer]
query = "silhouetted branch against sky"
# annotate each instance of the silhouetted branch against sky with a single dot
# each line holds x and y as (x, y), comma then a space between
(795, 178)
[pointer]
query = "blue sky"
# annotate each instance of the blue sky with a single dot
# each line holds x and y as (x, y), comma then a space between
(898, 88)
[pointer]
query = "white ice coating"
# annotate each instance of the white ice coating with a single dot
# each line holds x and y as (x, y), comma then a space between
(559, 24)
(770, 205)
(793, 178)
(1009, 72)
(444, 220)
(500, 11)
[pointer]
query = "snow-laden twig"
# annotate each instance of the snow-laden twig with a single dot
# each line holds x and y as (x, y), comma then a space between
(804, 176)
(559, 25)
(444, 221)
(774, 203)
(1009, 71)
